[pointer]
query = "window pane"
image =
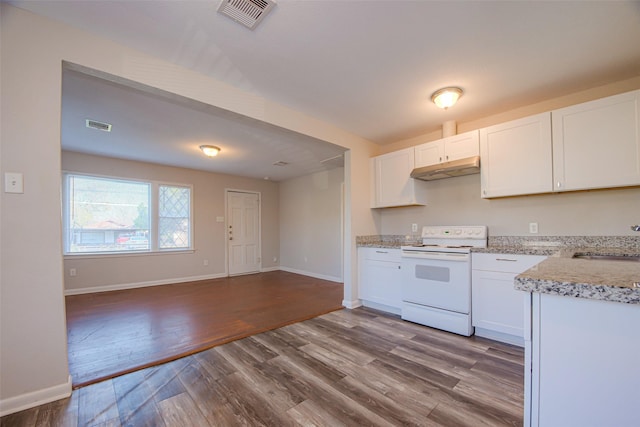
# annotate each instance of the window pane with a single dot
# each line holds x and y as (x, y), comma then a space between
(107, 215)
(174, 213)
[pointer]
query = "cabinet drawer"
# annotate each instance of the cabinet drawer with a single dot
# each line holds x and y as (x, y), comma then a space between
(506, 263)
(381, 254)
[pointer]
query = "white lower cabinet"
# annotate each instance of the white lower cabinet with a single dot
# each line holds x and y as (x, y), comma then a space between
(379, 279)
(497, 309)
(584, 363)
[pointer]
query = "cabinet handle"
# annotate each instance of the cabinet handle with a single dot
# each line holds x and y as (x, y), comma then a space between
(382, 252)
(447, 157)
(559, 184)
(506, 259)
(440, 158)
(398, 267)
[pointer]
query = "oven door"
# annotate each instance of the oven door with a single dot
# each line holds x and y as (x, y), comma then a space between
(439, 280)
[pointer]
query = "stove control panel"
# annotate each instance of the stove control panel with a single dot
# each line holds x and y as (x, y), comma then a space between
(455, 232)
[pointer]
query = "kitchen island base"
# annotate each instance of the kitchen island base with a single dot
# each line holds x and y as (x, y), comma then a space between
(583, 355)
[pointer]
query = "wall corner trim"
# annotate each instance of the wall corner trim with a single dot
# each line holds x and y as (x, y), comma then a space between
(35, 398)
(352, 304)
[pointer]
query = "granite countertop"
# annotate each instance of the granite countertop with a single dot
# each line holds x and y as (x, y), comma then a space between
(560, 273)
(607, 280)
(515, 249)
(380, 244)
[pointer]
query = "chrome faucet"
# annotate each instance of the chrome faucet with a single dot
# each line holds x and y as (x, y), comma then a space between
(635, 227)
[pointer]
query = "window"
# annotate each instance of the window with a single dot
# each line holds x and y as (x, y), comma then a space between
(112, 215)
(174, 216)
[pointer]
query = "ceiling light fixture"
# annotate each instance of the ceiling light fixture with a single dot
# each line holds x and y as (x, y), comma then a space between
(446, 97)
(210, 150)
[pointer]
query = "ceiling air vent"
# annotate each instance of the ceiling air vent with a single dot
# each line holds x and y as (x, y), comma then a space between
(93, 124)
(280, 163)
(246, 12)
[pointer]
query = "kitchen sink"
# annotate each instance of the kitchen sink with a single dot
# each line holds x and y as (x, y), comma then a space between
(580, 255)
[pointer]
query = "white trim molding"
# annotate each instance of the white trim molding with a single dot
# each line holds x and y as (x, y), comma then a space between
(123, 286)
(35, 398)
(352, 304)
(310, 274)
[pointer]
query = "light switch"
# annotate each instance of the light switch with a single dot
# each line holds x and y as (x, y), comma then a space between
(13, 182)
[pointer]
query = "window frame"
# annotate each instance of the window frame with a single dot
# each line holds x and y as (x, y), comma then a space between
(154, 210)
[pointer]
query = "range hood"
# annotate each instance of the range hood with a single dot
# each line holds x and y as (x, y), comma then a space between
(467, 166)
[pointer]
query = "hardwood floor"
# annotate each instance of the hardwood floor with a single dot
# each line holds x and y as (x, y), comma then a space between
(112, 333)
(344, 368)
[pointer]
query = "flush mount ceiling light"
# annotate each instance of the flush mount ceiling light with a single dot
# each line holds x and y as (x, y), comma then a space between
(210, 150)
(446, 97)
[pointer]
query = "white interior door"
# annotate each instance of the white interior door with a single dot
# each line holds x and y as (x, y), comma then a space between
(243, 232)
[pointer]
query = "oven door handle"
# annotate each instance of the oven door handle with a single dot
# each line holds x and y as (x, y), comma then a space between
(448, 256)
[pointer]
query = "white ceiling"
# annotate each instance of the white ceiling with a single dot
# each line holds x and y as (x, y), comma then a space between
(370, 66)
(155, 127)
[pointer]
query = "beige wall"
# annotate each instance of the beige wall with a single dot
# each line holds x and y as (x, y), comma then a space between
(33, 356)
(456, 201)
(310, 224)
(209, 236)
(517, 113)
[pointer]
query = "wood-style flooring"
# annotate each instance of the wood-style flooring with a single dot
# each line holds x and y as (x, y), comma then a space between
(345, 368)
(112, 333)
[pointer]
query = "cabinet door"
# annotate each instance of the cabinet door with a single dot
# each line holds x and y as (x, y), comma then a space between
(597, 144)
(430, 153)
(379, 272)
(516, 157)
(461, 146)
(448, 149)
(392, 183)
(496, 305)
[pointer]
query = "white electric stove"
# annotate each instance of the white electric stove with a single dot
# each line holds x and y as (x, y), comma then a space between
(436, 286)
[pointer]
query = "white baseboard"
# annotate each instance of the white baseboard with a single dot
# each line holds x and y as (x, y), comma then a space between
(382, 307)
(267, 269)
(352, 304)
(499, 336)
(35, 398)
(123, 286)
(310, 274)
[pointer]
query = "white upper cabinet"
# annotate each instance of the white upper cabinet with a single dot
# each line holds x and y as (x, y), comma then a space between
(392, 184)
(597, 144)
(516, 157)
(447, 149)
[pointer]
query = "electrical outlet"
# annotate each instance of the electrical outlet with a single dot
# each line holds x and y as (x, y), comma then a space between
(414, 228)
(13, 182)
(205, 262)
(533, 227)
(275, 259)
(72, 272)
